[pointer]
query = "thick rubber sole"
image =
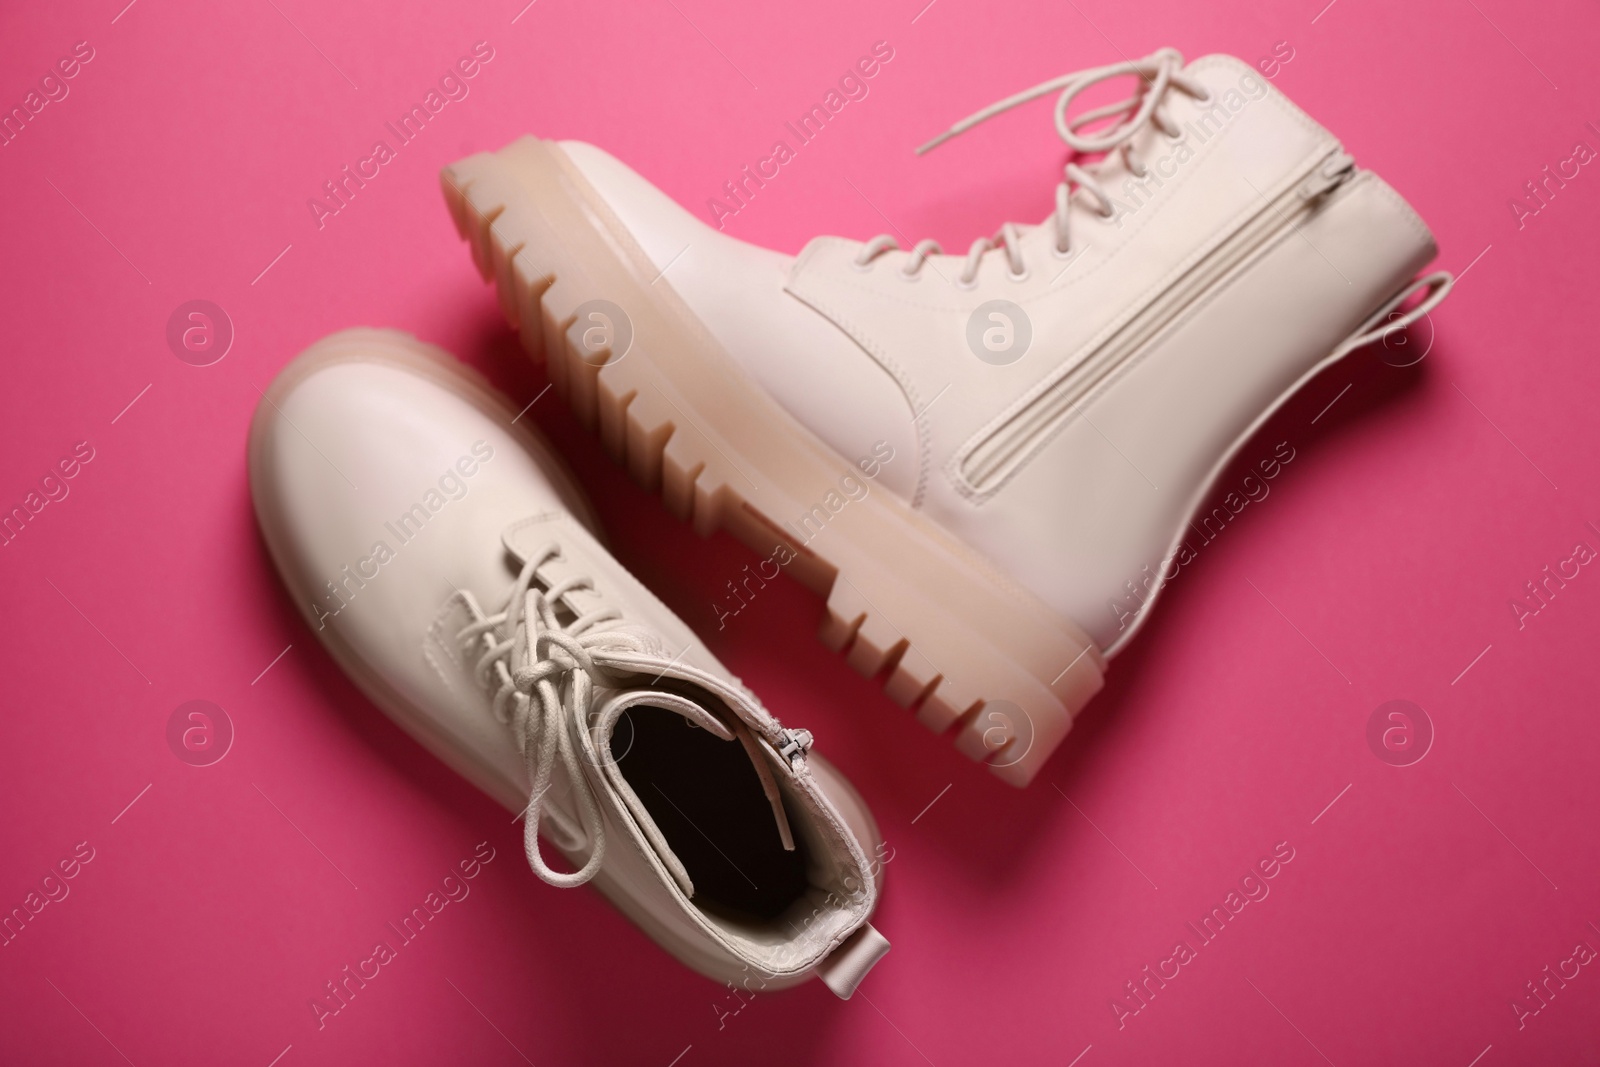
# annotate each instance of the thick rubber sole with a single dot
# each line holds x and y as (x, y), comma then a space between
(974, 653)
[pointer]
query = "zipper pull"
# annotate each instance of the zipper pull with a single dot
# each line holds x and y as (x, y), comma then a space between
(796, 746)
(1339, 168)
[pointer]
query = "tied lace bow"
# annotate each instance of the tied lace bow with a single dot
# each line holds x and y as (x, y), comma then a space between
(1159, 73)
(543, 674)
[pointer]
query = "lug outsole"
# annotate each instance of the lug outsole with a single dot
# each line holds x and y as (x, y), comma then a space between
(542, 245)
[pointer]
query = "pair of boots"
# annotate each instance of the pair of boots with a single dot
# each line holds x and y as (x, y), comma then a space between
(974, 459)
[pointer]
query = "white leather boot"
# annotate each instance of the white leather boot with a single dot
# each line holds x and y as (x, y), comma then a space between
(986, 463)
(448, 563)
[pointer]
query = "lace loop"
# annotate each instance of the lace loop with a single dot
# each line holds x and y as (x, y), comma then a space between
(543, 674)
(548, 693)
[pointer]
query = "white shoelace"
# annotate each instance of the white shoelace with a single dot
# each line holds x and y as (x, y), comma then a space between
(1158, 72)
(551, 691)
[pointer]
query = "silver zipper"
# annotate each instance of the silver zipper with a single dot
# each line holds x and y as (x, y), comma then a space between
(797, 745)
(998, 452)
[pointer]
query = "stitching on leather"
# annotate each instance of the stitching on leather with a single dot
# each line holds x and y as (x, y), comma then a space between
(890, 365)
(1070, 364)
(1407, 212)
(427, 654)
(1103, 387)
(807, 254)
(531, 521)
(952, 469)
(1365, 178)
(1323, 142)
(436, 635)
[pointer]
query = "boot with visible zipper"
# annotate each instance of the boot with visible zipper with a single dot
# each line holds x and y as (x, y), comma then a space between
(975, 459)
(450, 565)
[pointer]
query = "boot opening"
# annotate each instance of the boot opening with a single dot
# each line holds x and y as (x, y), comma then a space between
(706, 798)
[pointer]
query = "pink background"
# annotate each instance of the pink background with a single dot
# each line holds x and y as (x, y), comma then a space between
(1416, 906)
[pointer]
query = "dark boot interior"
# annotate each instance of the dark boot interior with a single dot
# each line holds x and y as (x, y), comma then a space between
(706, 798)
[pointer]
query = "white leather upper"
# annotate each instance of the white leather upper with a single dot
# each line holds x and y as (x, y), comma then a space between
(393, 435)
(346, 451)
(1100, 496)
(737, 289)
(919, 327)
